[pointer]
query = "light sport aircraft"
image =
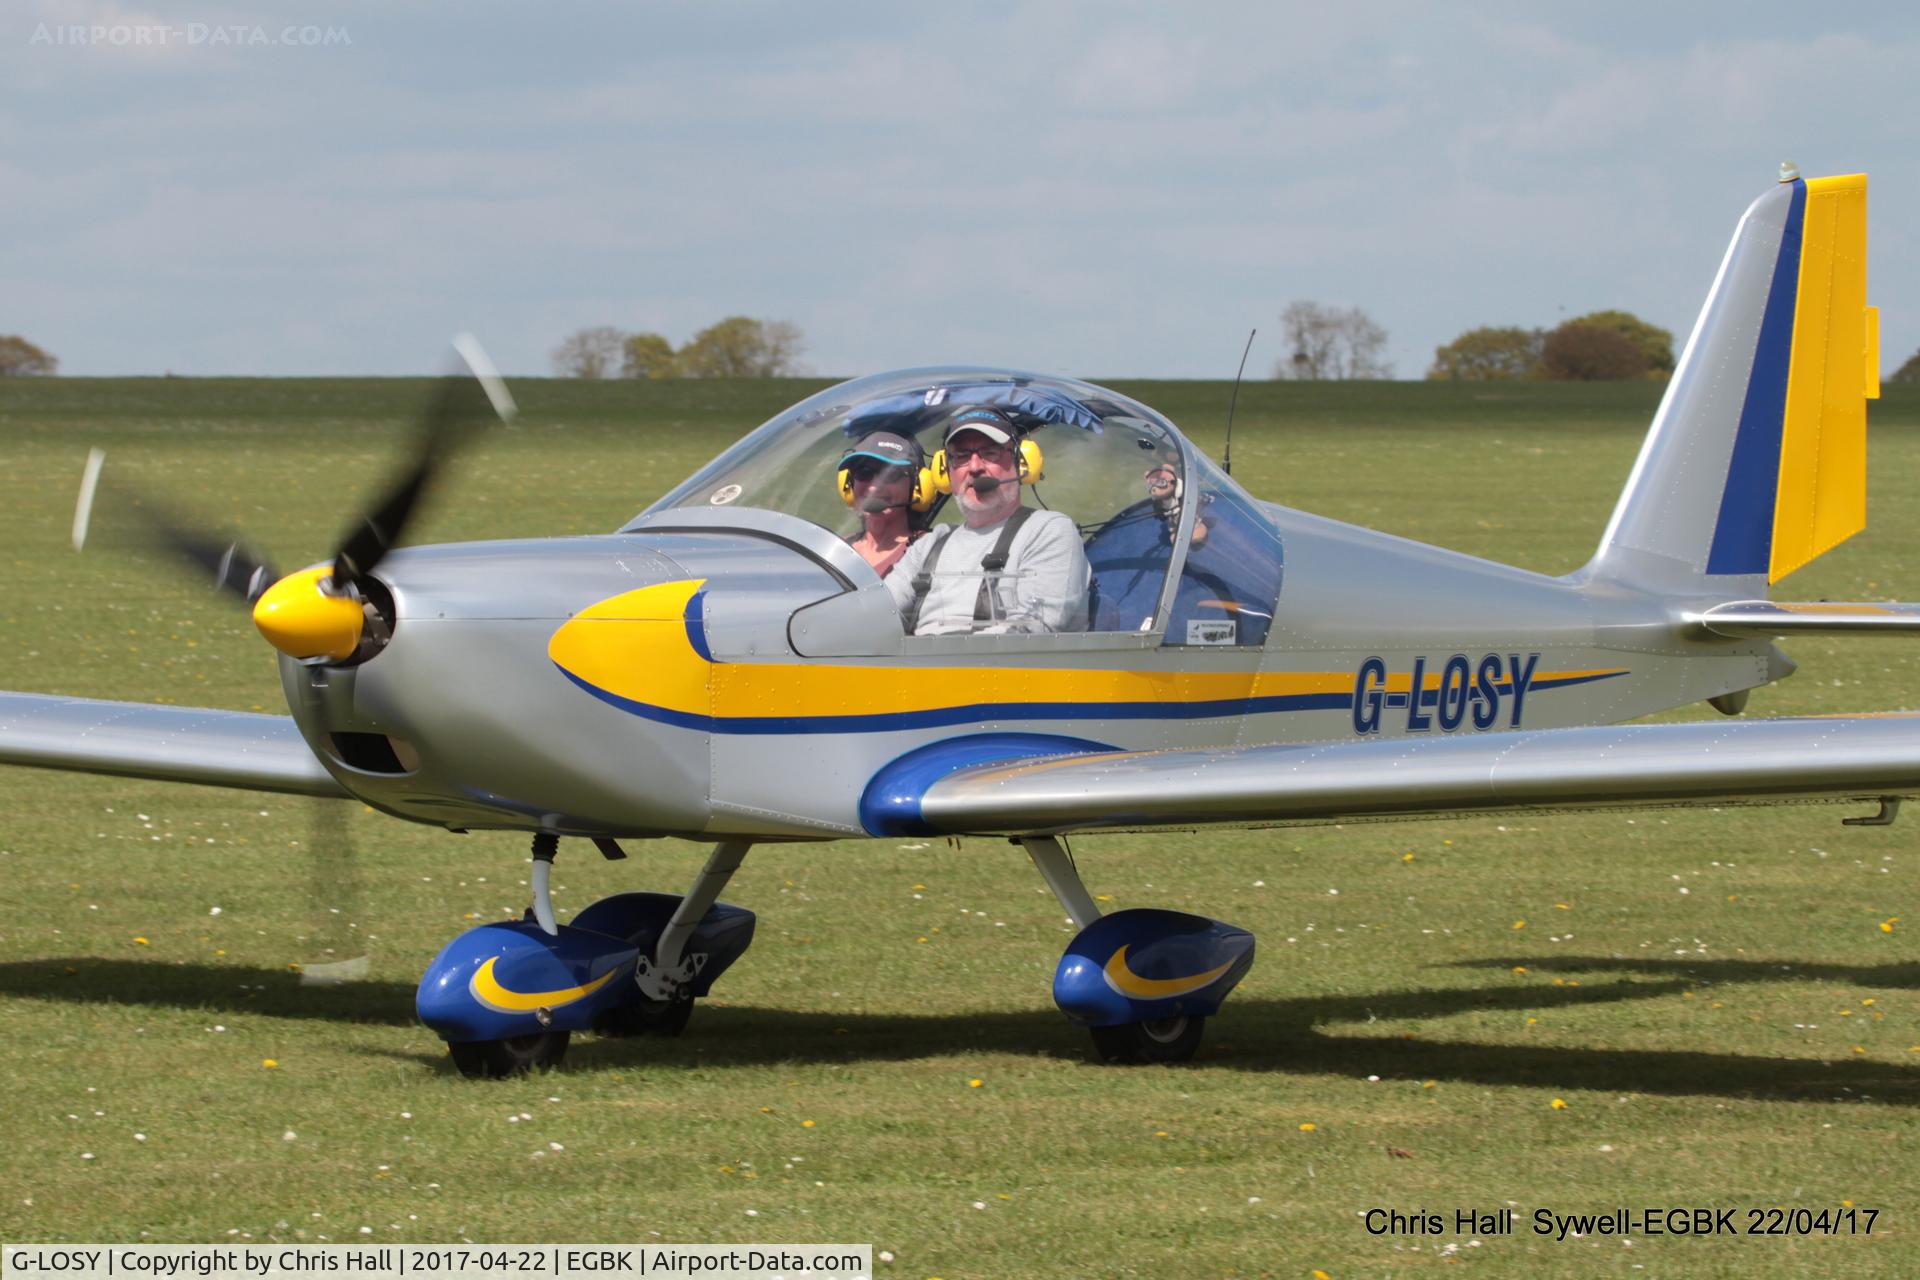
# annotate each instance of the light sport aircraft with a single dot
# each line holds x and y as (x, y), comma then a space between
(725, 667)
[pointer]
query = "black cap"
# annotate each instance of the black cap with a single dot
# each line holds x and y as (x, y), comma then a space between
(888, 448)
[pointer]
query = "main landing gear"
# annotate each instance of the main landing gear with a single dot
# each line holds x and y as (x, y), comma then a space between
(1143, 981)
(508, 997)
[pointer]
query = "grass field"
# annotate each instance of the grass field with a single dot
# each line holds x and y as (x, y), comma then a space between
(1570, 1013)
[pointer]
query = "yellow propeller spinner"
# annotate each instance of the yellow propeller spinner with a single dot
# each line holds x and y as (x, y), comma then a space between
(303, 616)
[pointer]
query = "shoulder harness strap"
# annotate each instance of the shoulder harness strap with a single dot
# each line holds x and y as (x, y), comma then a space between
(996, 560)
(923, 580)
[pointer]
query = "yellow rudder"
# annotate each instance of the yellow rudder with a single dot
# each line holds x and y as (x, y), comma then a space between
(1834, 369)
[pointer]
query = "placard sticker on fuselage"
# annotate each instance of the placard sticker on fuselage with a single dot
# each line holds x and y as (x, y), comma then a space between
(1211, 630)
(724, 494)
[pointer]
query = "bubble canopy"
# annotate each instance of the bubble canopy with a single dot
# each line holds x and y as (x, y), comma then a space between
(1103, 457)
(790, 463)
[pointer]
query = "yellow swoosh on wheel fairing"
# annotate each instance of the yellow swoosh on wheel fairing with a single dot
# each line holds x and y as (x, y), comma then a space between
(488, 991)
(1129, 983)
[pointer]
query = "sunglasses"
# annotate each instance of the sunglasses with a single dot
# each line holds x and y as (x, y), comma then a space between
(875, 471)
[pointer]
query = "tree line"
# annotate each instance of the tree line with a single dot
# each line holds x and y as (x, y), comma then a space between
(736, 347)
(1322, 343)
(21, 359)
(1603, 346)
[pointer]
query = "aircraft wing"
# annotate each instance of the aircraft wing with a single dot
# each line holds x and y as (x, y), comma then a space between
(171, 744)
(1619, 766)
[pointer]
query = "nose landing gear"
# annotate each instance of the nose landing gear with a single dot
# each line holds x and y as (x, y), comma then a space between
(507, 997)
(513, 1056)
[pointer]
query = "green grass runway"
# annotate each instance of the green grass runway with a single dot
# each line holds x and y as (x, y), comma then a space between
(1711, 995)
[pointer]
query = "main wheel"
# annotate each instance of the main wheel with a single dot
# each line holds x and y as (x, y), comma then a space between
(666, 1018)
(1160, 1040)
(514, 1056)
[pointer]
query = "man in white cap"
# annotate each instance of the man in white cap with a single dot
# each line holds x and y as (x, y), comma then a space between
(1007, 567)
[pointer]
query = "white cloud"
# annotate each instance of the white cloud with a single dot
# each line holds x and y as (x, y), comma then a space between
(1108, 190)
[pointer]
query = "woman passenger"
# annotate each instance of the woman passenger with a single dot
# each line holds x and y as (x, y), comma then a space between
(880, 475)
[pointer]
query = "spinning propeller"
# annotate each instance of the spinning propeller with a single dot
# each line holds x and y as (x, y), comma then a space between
(321, 612)
(330, 610)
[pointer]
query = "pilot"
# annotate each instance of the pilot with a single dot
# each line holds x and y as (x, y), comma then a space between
(1007, 567)
(1166, 491)
(883, 476)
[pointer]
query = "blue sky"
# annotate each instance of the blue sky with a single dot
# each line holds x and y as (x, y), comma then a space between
(1103, 190)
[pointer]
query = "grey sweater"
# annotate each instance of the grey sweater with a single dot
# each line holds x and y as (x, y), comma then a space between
(1042, 588)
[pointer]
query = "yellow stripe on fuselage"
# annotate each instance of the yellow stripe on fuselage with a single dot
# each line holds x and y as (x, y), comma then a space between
(1403, 683)
(1821, 495)
(635, 646)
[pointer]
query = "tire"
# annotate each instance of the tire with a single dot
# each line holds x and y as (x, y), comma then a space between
(515, 1056)
(1160, 1040)
(646, 1018)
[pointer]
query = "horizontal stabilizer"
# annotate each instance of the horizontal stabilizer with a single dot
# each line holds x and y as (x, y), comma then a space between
(170, 744)
(1620, 766)
(1762, 618)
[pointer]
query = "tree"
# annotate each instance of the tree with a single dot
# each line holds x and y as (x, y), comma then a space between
(1489, 355)
(742, 347)
(1908, 372)
(1330, 343)
(648, 355)
(1582, 352)
(21, 359)
(590, 353)
(1655, 342)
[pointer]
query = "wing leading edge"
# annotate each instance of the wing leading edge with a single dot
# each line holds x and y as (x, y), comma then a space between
(170, 744)
(1616, 766)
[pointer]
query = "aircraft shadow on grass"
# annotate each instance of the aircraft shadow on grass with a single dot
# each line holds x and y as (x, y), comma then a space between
(1259, 1035)
(1904, 976)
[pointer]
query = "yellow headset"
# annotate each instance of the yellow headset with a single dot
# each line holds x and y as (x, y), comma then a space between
(1028, 459)
(923, 487)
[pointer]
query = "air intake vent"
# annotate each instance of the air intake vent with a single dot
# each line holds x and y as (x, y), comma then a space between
(371, 752)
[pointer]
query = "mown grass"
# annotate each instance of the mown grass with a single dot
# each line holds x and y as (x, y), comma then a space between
(1712, 995)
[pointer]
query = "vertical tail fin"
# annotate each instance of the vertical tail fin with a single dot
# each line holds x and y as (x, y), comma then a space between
(1756, 462)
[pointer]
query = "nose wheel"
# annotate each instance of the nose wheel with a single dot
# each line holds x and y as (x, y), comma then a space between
(663, 1018)
(513, 1056)
(506, 996)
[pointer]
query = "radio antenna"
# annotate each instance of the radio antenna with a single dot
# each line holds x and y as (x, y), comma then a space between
(1226, 454)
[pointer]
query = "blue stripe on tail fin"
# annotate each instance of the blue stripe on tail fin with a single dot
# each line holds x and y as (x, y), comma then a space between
(1743, 536)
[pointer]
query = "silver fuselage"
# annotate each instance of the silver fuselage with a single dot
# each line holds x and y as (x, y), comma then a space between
(499, 736)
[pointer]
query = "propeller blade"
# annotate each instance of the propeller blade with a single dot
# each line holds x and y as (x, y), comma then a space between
(144, 521)
(459, 406)
(233, 566)
(89, 485)
(337, 899)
